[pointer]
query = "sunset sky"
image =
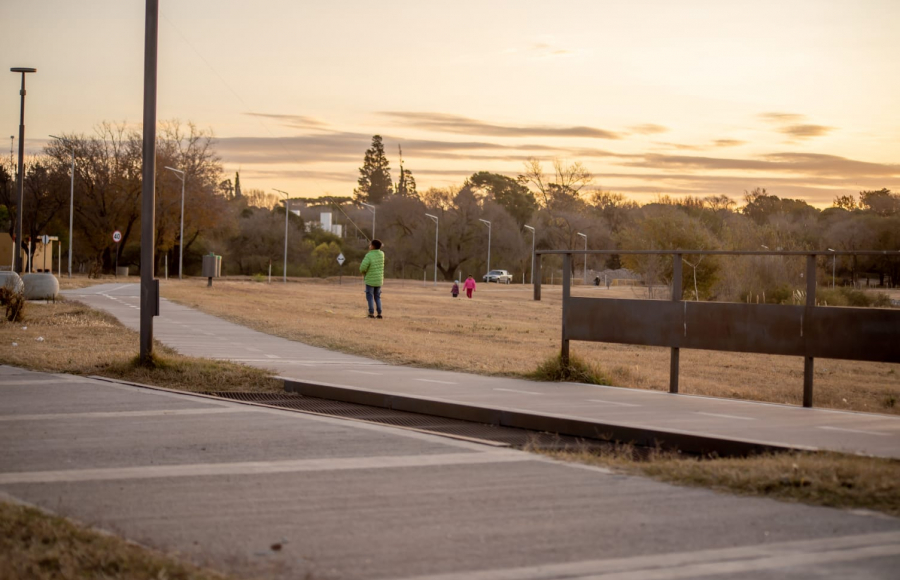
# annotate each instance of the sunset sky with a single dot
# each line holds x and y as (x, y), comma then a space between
(654, 97)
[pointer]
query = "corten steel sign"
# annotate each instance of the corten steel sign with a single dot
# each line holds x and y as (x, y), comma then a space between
(810, 331)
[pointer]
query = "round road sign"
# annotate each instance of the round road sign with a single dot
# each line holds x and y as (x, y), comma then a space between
(117, 236)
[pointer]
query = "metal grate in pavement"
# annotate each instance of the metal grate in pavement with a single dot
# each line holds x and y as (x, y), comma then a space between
(492, 434)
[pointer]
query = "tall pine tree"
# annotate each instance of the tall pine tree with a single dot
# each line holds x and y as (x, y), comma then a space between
(375, 175)
(237, 185)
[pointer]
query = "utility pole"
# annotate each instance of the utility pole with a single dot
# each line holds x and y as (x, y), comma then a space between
(287, 209)
(488, 224)
(20, 177)
(149, 285)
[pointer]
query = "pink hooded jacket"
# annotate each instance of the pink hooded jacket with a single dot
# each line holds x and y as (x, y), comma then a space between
(469, 283)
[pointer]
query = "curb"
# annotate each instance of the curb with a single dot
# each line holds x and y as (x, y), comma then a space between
(687, 442)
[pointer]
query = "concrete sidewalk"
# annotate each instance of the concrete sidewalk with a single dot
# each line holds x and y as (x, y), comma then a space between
(275, 494)
(690, 420)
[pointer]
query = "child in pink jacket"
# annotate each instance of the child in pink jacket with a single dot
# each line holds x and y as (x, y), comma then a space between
(469, 285)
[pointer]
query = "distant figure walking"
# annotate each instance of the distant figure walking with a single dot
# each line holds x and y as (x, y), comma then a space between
(469, 285)
(455, 290)
(372, 267)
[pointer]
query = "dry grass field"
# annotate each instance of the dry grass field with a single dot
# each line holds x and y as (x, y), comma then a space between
(38, 546)
(503, 332)
(67, 337)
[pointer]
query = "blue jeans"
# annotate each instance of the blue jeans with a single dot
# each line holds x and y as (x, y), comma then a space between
(373, 295)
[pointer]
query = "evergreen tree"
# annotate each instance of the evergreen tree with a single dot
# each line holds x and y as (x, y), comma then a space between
(237, 185)
(407, 184)
(375, 183)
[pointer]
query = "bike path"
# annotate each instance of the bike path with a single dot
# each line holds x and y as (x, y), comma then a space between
(549, 406)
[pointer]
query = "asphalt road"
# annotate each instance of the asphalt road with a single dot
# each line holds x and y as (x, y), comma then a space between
(281, 494)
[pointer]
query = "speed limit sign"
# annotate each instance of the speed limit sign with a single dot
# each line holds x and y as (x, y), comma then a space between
(117, 236)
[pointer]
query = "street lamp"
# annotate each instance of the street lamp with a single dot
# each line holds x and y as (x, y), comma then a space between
(489, 242)
(20, 177)
(287, 209)
(372, 208)
(71, 198)
(532, 251)
(833, 257)
(585, 256)
(435, 218)
(180, 175)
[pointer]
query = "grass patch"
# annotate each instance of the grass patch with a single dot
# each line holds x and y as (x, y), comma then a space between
(68, 337)
(38, 546)
(822, 478)
(576, 371)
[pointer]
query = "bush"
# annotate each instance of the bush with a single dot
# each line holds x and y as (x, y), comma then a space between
(848, 296)
(577, 371)
(14, 304)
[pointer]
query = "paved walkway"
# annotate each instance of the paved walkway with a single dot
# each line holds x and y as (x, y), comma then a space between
(194, 333)
(275, 494)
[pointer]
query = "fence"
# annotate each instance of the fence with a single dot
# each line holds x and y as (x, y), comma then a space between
(810, 331)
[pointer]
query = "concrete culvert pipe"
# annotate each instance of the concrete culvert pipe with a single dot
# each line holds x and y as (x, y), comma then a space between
(40, 286)
(12, 281)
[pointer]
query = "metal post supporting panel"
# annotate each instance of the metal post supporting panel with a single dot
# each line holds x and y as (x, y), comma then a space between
(566, 295)
(149, 285)
(808, 361)
(676, 297)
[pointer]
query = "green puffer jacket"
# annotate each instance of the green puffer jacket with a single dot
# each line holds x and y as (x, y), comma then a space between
(373, 267)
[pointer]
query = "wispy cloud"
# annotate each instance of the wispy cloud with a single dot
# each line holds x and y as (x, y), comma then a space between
(296, 121)
(648, 129)
(447, 123)
(727, 142)
(796, 163)
(791, 124)
(781, 117)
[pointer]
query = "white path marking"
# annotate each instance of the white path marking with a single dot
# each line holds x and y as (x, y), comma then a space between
(719, 563)
(518, 391)
(116, 414)
(262, 467)
(272, 356)
(613, 403)
(724, 416)
(861, 431)
(362, 372)
(434, 381)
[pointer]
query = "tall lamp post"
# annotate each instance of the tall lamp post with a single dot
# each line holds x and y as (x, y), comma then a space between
(287, 209)
(435, 218)
(20, 177)
(149, 283)
(372, 209)
(833, 258)
(71, 198)
(533, 232)
(180, 175)
(585, 256)
(489, 242)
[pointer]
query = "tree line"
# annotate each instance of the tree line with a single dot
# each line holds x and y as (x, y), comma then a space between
(560, 201)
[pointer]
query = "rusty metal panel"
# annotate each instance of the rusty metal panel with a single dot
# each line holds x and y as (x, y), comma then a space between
(735, 327)
(871, 334)
(647, 322)
(865, 334)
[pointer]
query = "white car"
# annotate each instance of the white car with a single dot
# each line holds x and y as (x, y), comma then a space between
(498, 276)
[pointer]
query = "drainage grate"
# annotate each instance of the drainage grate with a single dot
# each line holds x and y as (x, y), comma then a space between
(492, 434)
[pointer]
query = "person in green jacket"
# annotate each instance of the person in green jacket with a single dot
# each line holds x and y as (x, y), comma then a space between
(372, 268)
